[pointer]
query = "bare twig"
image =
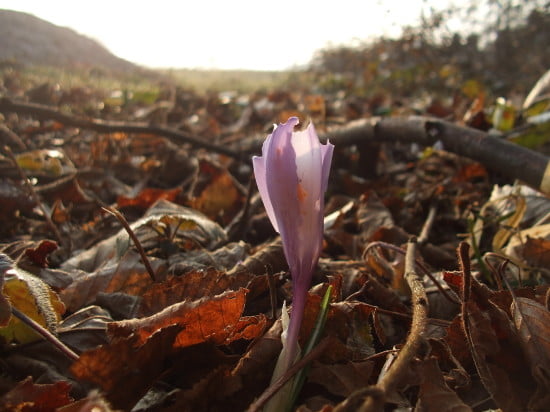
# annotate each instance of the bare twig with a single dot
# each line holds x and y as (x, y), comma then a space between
(46, 112)
(134, 238)
(9, 137)
(36, 198)
(498, 273)
(418, 263)
(393, 377)
(45, 333)
(425, 232)
(439, 322)
(279, 383)
(237, 228)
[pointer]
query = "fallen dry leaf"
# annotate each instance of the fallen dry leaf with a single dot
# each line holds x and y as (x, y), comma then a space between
(533, 323)
(434, 394)
(28, 396)
(216, 319)
(127, 363)
(190, 286)
(341, 379)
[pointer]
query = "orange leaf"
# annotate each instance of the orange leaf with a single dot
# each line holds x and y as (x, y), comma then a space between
(193, 285)
(216, 319)
(31, 397)
(126, 368)
(147, 197)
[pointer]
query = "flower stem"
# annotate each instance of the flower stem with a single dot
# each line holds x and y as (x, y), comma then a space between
(296, 316)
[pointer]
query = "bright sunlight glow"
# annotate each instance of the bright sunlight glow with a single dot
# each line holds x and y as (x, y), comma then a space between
(234, 34)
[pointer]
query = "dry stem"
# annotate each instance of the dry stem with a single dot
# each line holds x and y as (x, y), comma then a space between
(134, 238)
(391, 380)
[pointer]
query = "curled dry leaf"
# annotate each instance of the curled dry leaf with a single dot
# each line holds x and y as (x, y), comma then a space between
(221, 199)
(223, 258)
(127, 363)
(269, 258)
(216, 319)
(508, 391)
(434, 394)
(537, 252)
(163, 217)
(38, 255)
(128, 275)
(348, 322)
(35, 299)
(341, 379)
(190, 286)
(148, 197)
(532, 321)
(31, 397)
(94, 402)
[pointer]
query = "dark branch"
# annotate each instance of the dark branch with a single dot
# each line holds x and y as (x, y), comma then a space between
(495, 153)
(44, 112)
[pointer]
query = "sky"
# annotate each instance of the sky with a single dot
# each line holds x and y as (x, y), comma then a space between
(230, 34)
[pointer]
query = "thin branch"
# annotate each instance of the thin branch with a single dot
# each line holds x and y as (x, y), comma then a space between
(9, 137)
(45, 333)
(425, 232)
(45, 112)
(35, 197)
(391, 380)
(418, 263)
(134, 238)
(439, 322)
(499, 273)
(238, 226)
(494, 152)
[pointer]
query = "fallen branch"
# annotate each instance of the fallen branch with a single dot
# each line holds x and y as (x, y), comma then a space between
(495, 153)
(45, 112)
(391, 380)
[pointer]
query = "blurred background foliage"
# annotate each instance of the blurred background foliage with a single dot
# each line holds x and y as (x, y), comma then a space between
(500, 47)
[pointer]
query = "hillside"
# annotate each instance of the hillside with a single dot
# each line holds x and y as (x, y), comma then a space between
(32, 41)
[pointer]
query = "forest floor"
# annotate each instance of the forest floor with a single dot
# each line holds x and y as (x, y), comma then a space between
(131, 230)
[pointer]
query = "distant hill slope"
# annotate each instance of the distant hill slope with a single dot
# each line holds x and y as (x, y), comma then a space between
(33, 41)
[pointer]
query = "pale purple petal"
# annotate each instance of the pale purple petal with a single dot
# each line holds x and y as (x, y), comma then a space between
(258, 163)
(282, 183)
(292, 177)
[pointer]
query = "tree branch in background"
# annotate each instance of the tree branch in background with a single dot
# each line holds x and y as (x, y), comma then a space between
(497, 154)
(45, 112)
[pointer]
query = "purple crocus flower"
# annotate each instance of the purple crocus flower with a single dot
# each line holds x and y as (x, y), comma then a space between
(292, 177)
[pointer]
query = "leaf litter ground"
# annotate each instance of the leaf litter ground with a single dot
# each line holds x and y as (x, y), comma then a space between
(198, 328)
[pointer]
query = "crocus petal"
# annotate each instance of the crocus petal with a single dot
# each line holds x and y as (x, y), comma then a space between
(292, 177)
(282, 181)
(258, 163)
